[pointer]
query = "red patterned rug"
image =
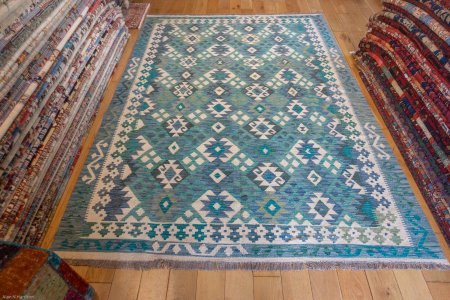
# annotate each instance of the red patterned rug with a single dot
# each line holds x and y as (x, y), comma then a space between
(136, 15)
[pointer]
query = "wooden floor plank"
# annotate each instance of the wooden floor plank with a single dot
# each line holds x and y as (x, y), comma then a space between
(267, 288)
(439, 290)
(238, 285)
(353, 284)
(154, 284)
(436, 276)
(101, 290)
(412, 285)
(210, 285)
(314, 6)
(99, 275)
(325, 285)
(125, 285)
(81, 270)
(296, 285)
(182, 285)
(266, 273)
(383, 285)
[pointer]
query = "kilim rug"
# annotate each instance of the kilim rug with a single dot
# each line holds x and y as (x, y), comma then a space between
(242, 142)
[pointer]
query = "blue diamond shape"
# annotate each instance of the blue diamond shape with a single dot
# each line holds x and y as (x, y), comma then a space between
(165, 204)
(321, 208)
(268, 176)
(265, 150)
(272, 207)
(259, 108)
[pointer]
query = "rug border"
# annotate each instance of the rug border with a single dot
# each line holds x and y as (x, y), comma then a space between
(153, 261)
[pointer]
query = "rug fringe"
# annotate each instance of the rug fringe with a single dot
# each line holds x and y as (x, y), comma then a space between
(259, 266)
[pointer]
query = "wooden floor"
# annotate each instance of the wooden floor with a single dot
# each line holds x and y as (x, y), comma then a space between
(347, 19)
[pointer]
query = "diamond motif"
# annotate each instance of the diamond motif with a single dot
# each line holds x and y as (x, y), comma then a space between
(253, 62)
(217, 175)
(197, 116)
(188, 61)
(268, 176)
(169, 174)
(183, 90)
(218, 127)
(186, 74)
(324, 210)
(265, 150)
(257, 91)
(252, 50)
(262, 128)
(222, 149)
(240, 118)
(314, 177)
(259, 108)
(220, 76)
(219, 108)
(220, 50)
(281, 50)
(177, 126)
(302, 128)
(288, 76)
(219, 90)
(297, 109)
(180, 106)
(272, 207)
(250, 39)
(165, 204)
(173, 148)
(220, 38)
(217, 208)
(192, 39)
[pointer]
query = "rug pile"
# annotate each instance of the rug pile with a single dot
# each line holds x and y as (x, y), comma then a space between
(242, 142)
(404, 63)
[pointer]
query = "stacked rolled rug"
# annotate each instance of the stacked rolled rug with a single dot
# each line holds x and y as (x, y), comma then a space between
(404, 63)
(55, 62)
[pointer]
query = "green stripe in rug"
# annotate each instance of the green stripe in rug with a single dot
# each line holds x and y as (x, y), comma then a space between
(242, 142)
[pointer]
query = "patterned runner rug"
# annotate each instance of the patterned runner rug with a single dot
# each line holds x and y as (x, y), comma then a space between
(242, 142)
(136, 15)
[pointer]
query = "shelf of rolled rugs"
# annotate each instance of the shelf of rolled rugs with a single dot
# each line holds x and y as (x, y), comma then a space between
(404, 63)
(56, 59)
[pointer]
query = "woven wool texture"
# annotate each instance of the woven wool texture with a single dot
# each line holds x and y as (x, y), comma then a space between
(404, 63)
(242, 142)
(136, 15)
(39, 274)
(51, 54)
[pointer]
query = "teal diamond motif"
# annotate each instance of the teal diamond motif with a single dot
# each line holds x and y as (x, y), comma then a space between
(181, 106)
(265, 150)
(272, 207)
(165, 204)
(219, 107)
(297, 108)
(259, 108)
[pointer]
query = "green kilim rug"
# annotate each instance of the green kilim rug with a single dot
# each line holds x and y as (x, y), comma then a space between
(242, 142)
